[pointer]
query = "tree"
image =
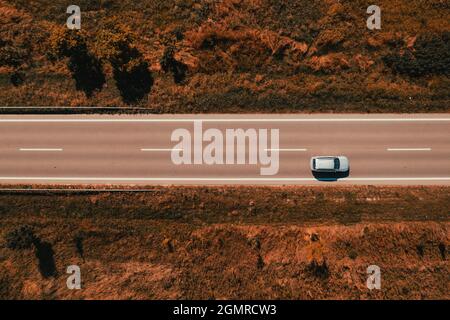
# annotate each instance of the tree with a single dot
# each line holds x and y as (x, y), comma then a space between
(170, 64)
(86, 69)
(21, 238)
(133, 80)
(431, 56)
(24, 238)
(17, 43)
(115, 44)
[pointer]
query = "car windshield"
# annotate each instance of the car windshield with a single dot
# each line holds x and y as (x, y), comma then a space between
(337, 163)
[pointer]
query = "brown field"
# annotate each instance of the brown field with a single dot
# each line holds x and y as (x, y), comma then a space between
(228, 243)
(261, 56)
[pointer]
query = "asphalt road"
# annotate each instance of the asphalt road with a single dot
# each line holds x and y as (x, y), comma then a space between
(382, 149)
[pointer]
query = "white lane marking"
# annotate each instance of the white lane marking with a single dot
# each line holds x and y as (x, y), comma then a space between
(287, 150)
(237, 120)
(160, 150)
(218, 179)
(169, 150)
(409, 149)
(41, 149)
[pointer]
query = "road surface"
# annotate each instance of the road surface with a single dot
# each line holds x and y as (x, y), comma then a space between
(136, 149)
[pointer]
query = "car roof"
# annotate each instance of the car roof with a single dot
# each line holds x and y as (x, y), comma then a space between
(326, 163)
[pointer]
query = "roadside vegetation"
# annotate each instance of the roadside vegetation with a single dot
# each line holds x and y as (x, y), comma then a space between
(85, 68)
(429, 56)
(226, 243)
(227, 56)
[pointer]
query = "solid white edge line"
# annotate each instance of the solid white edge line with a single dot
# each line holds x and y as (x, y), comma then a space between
(235, 120)
(409, 149)
(160, 150)
(41, 149)
(287, 150)
(217, 179)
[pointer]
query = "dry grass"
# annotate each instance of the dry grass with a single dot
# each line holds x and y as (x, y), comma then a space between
(131, 259)
(304, 205)
(228, 243)
(262, 56)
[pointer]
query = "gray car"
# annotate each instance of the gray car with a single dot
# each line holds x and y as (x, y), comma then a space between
(330, 164)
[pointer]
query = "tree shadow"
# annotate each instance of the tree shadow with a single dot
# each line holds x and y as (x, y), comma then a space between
(132, 75)
(79, 246)
(87, 71)
(170, 64)
(135, 84)
(46, 260)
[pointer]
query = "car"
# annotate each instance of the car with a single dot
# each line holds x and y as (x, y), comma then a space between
(330, 164)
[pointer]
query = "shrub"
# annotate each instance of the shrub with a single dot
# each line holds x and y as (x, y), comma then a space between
(24, 238)
(353, 254)
(21, 238)
(11, 56)
(115, 44)
(86, 69)
(65, 43)
(17, 78)
(18, 34)
(317, 263)
(431, 56)
(319, 269)
(134, 81)
(170, 64)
